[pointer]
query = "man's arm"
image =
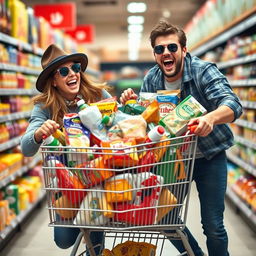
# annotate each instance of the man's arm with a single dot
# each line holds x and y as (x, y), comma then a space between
(223, 114)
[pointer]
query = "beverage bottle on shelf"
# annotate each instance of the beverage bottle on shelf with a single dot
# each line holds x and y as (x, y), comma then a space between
(155, 135)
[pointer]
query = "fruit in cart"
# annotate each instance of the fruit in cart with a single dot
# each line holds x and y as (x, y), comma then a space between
(63, 202)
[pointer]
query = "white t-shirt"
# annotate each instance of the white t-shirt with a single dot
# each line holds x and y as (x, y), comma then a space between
(173, 85)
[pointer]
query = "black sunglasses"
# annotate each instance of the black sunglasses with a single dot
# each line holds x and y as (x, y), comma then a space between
(64, 71)
(159, 49)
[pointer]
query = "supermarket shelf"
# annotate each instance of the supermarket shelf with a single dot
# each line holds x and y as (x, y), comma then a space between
(245, 142)
(20, 218)
(243, 82)
(246, 124)
(20, 172)
(247, 167)
(16, 68)
(19, 44)
(226, 35)
(248, 104)
(238, 61)
(18, 91)
(241, 205)
(10, 143)
(15, 116)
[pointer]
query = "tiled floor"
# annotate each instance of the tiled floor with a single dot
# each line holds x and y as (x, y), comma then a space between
(37, 238)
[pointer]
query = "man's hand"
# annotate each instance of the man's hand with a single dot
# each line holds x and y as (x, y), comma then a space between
(46, 129)
(204, 125)
(128, 95)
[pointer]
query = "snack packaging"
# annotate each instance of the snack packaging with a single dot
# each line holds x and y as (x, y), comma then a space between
(120, 152)
(176, 121)
(119, 188)
(91, 172)
(168, 199)
(151, 114)
(94, 209)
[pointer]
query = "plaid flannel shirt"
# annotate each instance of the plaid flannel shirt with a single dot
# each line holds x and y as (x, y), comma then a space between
(210, 87)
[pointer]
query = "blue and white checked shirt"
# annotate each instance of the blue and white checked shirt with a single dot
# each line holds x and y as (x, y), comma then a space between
(210, 87)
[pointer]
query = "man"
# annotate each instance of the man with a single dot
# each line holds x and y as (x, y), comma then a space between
(176, 69)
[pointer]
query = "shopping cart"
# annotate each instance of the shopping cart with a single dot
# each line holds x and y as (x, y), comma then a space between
(136, 193)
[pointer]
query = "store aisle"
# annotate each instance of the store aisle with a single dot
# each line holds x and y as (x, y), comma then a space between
(37, 239)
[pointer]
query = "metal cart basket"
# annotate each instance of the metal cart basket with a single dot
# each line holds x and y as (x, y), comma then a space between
(132, 193)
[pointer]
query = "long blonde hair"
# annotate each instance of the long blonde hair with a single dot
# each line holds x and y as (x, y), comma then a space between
(51, 99)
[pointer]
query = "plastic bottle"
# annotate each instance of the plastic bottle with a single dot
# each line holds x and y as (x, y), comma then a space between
(51, 141)
(155, 135)
(91, 118)
(59, 135)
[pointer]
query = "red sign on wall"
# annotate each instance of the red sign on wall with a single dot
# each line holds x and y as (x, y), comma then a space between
(82, 33)
(59, 15)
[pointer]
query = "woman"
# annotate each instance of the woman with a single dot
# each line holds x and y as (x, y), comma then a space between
(61, 83)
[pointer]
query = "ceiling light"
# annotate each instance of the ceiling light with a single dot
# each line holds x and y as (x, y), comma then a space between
(135, 28)
(136, 7)
(135, 20)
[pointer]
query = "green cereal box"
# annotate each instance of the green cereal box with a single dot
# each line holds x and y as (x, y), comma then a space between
(176, 121)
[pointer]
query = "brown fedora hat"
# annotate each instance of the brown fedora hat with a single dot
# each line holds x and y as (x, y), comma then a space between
(52, 58)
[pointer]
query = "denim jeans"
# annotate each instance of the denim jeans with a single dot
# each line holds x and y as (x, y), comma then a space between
(211, 182)
(66, 237)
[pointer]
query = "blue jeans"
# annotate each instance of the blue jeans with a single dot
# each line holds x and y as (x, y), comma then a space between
(211, 182)
(66, 237)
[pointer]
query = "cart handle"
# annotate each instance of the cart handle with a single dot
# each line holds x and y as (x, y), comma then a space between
(191, 128)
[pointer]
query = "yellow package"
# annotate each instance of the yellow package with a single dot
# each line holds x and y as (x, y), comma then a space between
(118, 188)
(106, 108)
(151, 114)
(129, 248)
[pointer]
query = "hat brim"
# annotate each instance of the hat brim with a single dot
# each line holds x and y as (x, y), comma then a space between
(75, 57)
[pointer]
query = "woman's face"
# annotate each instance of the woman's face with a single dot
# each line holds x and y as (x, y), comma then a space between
(170, 61)
(67, 80)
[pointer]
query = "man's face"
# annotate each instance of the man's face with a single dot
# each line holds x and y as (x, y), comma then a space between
(170, 60)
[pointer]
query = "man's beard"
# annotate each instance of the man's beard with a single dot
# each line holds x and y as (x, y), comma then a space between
(176, 71)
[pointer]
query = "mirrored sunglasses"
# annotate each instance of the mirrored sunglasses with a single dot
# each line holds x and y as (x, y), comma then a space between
(159, 49)
(64, 71)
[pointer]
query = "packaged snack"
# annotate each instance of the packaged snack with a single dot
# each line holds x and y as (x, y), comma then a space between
(76, 134)
(121, 152)
(132, 107)
(63, 202)
(166, 104)
(119, 188)
(134, 127)
(168, 199)
(143, 210)
(90, 173)
(151, 114)
(106, 108)
(71, 186)
(132, 248)
(94, 209)
(146, 98)
(175, 122)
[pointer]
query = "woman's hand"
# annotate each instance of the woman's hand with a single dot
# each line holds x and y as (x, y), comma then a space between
(46, 129)
(127, 95)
